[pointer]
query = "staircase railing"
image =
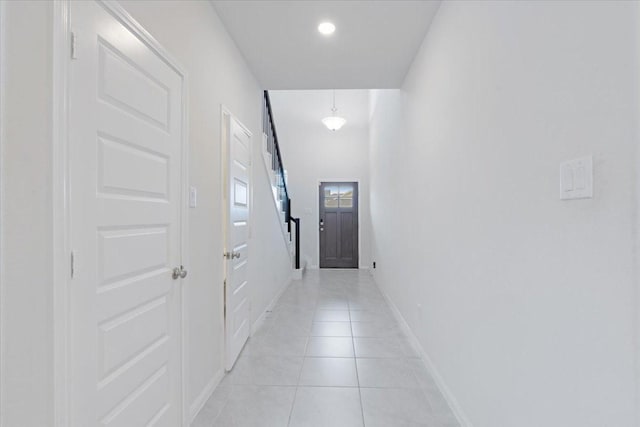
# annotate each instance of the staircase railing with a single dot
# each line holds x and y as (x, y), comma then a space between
(282, 193)
(296, 221)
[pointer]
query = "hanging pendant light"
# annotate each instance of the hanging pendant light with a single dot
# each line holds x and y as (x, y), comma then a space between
(334, 122)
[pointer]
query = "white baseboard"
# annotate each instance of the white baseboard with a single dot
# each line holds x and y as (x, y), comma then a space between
(260, 320)
(428, 363)
(206, 393)
(297, 274)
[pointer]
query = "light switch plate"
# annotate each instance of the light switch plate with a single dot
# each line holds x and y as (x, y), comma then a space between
(576, 179)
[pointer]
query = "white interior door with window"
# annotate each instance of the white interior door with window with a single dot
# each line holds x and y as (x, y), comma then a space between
(237, 211)
(125, 197)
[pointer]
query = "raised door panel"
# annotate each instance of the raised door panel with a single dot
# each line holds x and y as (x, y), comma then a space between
(125, 185)
(338, 225)
(331, 236)
(346, 236)
(237, 292)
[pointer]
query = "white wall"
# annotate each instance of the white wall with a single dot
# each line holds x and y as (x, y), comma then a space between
(217, 73)
(26, 293)
(269, 252)
(312, 153)
(527, 301)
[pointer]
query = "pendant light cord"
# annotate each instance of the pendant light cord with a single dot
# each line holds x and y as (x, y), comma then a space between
(334, 109)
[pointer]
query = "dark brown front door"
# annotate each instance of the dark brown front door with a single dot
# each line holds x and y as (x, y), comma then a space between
(338, 225)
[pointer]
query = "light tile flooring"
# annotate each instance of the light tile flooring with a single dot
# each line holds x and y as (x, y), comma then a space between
(329, 354)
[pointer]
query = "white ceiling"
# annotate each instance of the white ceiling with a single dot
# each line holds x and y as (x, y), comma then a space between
(373, 46)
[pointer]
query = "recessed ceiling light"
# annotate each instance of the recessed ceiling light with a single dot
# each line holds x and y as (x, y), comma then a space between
(326, 28)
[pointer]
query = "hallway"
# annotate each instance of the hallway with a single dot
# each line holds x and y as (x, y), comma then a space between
(174, 174)
(330, 353)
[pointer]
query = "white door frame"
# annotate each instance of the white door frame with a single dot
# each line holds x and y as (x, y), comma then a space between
(61, 44)
(359, 182)
(3, 62)
(225, 120)
(637, 287)
(61, 38)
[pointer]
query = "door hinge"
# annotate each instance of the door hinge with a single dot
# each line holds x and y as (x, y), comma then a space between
(73, 264)
(74, 45)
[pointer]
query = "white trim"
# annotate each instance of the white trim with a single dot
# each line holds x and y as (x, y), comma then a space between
(636, 229)
(60, 180)
(3, 65)
(257, 324)
(359, 182)
(224, 166)
(285, 232)
(225, 116)
(636, 320)
(227, 111)
(60, 212)
(428, 363)
(636, 241)
(225, 141)
(205, 395)
(225, 130)
(297, 273)
(186, 254)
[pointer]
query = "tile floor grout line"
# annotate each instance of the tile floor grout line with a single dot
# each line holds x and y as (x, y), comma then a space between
(295, 394)
(355, 361)
(316, 300)
(226, 402)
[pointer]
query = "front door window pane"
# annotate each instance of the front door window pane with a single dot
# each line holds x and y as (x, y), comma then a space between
(346, 196)
(331, 196)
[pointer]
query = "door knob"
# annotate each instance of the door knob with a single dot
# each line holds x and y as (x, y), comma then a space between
(321, 229)
(231, 255)
(179, 273)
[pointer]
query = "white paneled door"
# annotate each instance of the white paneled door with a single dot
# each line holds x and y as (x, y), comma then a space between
(125, 190)
(237, 286)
